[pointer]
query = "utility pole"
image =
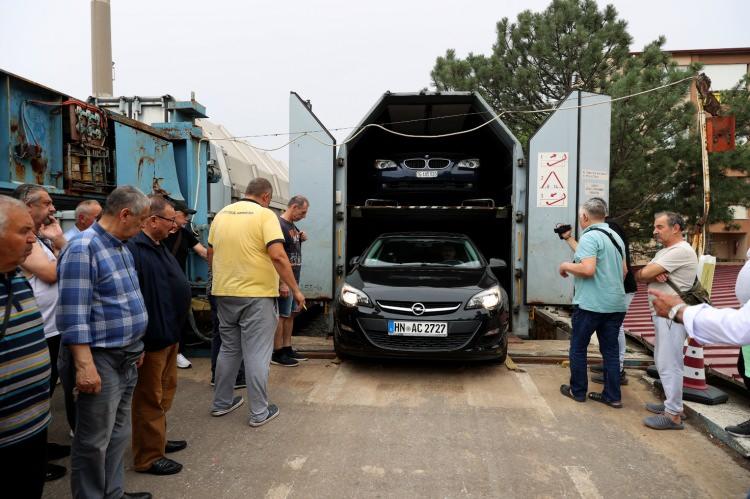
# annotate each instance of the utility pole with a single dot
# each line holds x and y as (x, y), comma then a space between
(101, 49)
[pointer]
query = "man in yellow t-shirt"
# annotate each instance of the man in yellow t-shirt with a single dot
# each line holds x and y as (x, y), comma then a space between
(247, 257)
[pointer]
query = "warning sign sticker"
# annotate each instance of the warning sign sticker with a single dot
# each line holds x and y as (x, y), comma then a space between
(552, 180)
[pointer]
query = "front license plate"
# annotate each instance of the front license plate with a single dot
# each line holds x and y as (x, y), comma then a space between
(410, 328)
(427, 174)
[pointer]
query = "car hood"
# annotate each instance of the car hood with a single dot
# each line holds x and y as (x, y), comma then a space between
(423, 284)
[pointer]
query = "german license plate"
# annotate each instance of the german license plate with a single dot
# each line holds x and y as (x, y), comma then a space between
(413, 328)
(426, 174)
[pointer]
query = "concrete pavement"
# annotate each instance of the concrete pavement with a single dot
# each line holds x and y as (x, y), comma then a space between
(371, 429)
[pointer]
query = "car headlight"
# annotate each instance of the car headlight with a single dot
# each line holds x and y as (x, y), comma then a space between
(487, 299)
(352, 297)
(471, 164)
(385, 164)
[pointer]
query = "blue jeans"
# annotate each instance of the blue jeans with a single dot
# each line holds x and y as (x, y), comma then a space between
(607, 327)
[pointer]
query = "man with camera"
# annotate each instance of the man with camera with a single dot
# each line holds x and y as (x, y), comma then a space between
(673, 268)
(598, 268)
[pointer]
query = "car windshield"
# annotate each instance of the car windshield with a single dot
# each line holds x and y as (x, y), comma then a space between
(422, 252)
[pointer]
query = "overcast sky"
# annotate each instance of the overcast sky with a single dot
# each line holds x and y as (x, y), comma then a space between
(242, 58)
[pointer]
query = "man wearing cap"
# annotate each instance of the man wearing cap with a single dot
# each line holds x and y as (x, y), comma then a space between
(180, 241)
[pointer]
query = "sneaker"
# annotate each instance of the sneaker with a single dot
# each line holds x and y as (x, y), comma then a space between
(599, 378)
(294, 354)
(236, 402)
(182, 362)
(659, 409)
(273, 411)
(280, 358)
(740, 430)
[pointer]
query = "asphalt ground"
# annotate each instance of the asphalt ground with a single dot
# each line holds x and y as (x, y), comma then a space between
(396, 429)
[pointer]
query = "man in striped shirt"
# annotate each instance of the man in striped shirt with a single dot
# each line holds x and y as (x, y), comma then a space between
(102, 318)
(24, 361)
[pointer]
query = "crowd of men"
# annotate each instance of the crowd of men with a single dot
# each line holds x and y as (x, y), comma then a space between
(603, 289)
(103, 306)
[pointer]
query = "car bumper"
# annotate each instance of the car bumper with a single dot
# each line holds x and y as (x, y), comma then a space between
(363, 332)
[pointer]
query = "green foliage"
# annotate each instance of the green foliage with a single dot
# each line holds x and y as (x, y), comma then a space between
(655, 149)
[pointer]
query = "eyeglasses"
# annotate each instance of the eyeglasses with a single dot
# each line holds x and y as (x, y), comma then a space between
(170, 220)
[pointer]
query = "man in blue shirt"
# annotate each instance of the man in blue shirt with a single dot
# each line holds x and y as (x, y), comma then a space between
(102, 318)
(598, 268)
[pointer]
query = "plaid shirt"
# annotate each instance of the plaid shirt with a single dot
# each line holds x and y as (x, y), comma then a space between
(100, 299)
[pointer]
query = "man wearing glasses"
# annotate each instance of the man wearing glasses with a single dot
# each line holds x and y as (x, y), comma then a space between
(166, 293)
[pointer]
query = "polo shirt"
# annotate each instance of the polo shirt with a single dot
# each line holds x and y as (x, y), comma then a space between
(240, 235)
(24, 364)
(604, 292)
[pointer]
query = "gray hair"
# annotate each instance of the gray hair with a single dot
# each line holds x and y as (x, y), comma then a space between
(298, 200)
(158, 204)
(28, 193)
(596, 208)
(126, 196)
(604, 202)
(85, 207)
(7, 204)
(672, 218)
(259, 186)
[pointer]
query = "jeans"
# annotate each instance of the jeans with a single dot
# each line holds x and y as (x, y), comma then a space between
(102, 430)
(607, 327)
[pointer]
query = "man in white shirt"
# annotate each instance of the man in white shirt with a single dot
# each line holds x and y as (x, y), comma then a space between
(87, 212)
(675, 265)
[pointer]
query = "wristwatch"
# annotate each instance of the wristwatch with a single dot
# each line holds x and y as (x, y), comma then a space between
(674, 310)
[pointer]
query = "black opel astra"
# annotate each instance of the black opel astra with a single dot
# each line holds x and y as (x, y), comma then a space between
(422, 295)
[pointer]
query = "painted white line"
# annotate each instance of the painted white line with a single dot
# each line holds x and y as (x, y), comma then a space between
(537, 401)
(581, 478)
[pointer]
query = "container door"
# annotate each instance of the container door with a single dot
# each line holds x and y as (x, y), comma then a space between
(311, 174)
(568, 164)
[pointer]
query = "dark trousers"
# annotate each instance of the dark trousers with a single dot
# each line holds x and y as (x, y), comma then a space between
(22, 467)
(216, 341)
(54, 354)
(741, 369)
(607, 327)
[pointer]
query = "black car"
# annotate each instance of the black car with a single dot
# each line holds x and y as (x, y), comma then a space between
(427, 173)
(425, 295)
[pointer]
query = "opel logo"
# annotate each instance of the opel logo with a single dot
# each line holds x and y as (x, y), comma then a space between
(417, 309)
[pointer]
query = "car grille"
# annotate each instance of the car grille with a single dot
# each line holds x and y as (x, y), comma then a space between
(415, 163)
(430, 308)
(460, 334)
(438, 163)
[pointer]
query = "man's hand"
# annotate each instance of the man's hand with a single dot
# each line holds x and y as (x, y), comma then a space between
(566, 234)
(53, 231)
(302, 236)
(563, 269)
(283, 290)
(662, 277)
(139, 362)
(88, 380)
(664, 302)
(300, 299)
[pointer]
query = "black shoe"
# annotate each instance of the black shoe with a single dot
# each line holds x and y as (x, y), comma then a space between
(163, 466)
(294, 354)
(54, 472)
(740, 430)
(57, 451)
(136, 495)
(599, 378)
(280, 358)
(174, 446)
(597, 368)
(273, 411)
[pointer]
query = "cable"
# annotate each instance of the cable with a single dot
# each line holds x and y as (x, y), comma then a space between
(444, 135)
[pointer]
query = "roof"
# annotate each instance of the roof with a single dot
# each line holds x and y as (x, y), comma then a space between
(719, 51)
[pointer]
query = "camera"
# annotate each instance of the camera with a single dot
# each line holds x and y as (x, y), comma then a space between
(561, 229)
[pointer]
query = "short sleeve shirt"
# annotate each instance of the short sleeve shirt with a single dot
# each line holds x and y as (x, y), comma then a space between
(604, 292)
(240, 235)
(680, 261)
(292, 246)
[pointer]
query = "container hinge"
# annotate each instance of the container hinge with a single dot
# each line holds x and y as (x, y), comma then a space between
(519, 217)
(339, 270)
(518, 273)
(521, 162)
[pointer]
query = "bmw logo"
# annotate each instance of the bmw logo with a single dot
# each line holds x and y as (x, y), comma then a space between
(417, 309)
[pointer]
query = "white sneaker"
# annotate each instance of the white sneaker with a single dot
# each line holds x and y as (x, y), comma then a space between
(182, 362)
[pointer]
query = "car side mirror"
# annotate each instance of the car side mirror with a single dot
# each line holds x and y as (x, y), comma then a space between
(354, 261)
(498, 264)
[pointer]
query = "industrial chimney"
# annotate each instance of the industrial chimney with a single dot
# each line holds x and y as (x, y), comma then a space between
(101, 49)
